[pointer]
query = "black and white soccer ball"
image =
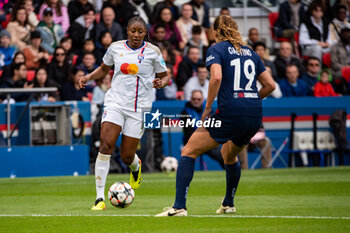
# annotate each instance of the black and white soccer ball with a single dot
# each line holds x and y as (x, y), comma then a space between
(169, 164)
(121, 194)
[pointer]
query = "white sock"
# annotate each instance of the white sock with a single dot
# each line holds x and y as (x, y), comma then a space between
(101, 172)
(134, 166)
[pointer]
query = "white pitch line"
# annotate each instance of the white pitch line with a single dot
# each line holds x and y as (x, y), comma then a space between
(196, 216)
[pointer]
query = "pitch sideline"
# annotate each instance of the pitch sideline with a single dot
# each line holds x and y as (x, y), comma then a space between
(195, 216)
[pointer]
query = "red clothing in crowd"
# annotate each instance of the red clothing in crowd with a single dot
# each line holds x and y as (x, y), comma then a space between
(324, 90)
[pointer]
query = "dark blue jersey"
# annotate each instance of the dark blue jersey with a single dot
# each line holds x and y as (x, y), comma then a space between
(238, 94)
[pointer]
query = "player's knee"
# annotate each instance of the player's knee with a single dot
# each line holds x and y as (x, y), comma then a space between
(186, 151)
(106, 148)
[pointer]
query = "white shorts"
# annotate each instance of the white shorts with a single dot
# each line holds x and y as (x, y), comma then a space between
(130, 121)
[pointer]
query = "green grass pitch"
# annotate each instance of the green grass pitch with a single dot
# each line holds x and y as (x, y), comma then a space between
(278, 200)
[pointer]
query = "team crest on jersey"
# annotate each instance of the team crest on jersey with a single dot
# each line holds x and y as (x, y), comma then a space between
(141, 57)
(104, 114)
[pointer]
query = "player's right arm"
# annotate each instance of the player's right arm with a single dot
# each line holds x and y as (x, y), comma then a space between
(268, 85)
(99, 73)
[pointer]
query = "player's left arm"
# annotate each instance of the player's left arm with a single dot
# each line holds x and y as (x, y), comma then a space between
(214, 86)
(161, 80)
(268, 85)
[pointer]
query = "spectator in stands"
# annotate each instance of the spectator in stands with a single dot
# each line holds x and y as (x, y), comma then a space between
(76, 8)
(285, 57)
(291, 14)
(50, 32)
(185, 24)
(59, 68)
(66, 43)
(160, 5)
(310, 76)
(159, 35)
(107, 23)
(35, 54)
(82, 28)
(199, 82)
(188, 67)
(194, 110)
(201, 13)
(197, 41)
(340, 56)
(88, 62)
(314, 35)
(102, 45)
(60, 13)
(28, 6)
(169, 92)
(6, 50)
(7, 71)
(143, 9)
(172, 32)
(323, 88)
(225, 11)
(293, 86)
(70, 90)
(123, 12)
(340, 21)
(258, 140)
(88, 47)
(260, 49)
(253, 37)
(102, 86)
(168, 56)
(18, 80)
(41, 80)
(19, 28)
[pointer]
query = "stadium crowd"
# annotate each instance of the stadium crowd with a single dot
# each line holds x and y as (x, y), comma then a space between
(52, 43)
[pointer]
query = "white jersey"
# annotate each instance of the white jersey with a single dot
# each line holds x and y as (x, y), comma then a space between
(134, 71)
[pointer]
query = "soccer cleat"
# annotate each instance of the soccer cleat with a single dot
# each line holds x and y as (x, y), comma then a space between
(99, 205)
(172, 212)
(136, 178)
(226, 210)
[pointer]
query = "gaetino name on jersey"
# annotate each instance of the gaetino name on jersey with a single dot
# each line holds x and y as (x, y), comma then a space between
(232, 50)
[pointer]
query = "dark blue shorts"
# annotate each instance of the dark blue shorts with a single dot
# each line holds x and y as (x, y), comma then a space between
(238, 129)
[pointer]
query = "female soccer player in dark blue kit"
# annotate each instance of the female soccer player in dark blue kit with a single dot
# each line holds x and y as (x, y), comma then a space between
(234, 69)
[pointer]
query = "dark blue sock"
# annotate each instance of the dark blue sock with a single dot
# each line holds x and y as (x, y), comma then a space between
(233, 174)
(183, 179)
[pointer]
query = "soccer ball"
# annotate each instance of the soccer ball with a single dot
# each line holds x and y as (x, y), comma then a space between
(121, 194)
(169, 164)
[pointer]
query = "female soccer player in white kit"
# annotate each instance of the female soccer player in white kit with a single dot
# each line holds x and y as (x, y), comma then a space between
(136, 64)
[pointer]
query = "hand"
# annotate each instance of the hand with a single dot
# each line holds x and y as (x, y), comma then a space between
(206, 113)
(26, 85)
(158, 83)
(51, 99)
(83, 80)
(85, 99)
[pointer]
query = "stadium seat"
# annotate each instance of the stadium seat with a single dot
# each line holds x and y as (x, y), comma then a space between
(6, 21)
(74, 60)
(30, 75)
(1, 72)
(180, 95)
(178, 60)
(303, 140)
(89, 95)
(98, 18)
(326, 59)
(345, 72)
(273, 17)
